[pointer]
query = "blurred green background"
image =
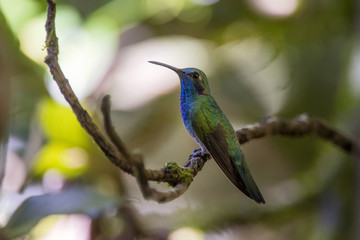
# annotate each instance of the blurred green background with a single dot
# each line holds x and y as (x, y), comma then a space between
(262, 57)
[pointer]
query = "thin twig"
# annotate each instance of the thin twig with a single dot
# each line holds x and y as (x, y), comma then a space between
(137, 162)
(114, 137)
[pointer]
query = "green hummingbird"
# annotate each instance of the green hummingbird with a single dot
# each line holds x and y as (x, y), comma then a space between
(209, 127)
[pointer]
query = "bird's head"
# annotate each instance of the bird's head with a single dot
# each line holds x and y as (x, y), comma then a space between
(191, 77)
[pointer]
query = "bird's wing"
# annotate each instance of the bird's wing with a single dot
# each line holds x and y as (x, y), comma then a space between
(213, 135)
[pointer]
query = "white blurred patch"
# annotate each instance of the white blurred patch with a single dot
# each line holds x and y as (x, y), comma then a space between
(136, 81)
(84, 60)
(15, 173)
(70, 227)
(10, 201)
(187, 233)
(204, 2)
(76, 157)
(263, 71)
(18, 12)
(32, 40)
(53, 180)
(275, 8)
(84, 54)
(355, 70)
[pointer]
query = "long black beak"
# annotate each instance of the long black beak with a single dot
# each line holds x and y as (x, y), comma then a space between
(177, 70)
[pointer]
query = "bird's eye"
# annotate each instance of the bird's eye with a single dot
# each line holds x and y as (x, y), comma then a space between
(196, 75)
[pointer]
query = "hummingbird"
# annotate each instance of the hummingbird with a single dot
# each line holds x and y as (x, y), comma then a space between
(211, 130)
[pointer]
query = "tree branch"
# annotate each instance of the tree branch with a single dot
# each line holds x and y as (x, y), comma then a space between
(178, 177)
(83, 117)
(301, 125)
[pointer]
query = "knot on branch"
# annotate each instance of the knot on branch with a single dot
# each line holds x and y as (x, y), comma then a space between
(182, 174)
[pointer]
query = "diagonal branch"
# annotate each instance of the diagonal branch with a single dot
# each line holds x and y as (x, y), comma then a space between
(82, 115)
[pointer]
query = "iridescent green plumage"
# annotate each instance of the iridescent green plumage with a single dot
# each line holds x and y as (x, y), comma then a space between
(210, 128)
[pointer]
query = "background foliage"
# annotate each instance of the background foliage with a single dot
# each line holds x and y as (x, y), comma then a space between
(281, 59)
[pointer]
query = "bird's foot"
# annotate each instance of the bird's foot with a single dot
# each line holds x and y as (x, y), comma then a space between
(196, 153)
(193, 158)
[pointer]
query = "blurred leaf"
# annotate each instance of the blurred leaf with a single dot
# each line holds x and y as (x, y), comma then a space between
(60, 123)
(70, 161)
(119, 12)
(76, 200)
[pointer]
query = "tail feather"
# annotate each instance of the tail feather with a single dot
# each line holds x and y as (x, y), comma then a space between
(250, 184)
